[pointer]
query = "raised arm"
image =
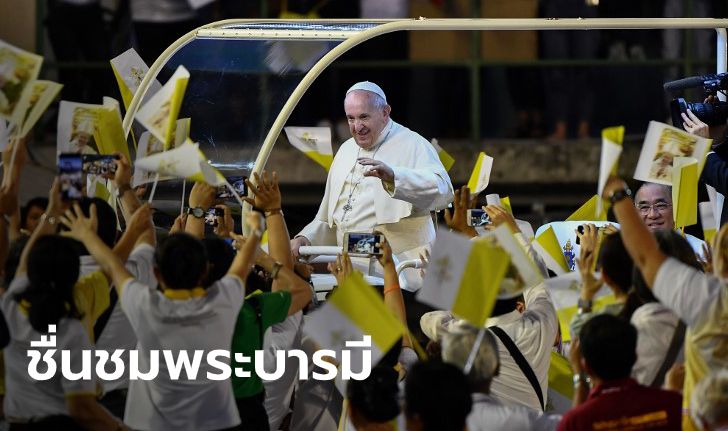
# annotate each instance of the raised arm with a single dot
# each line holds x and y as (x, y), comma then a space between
(638, 240)
(122, 181)
(201, 196)
(83, 229)
(138, 231)
(458, 219)
(285, 280)
(47, 226)
(247, 247)
(268, 199)
(393, 299)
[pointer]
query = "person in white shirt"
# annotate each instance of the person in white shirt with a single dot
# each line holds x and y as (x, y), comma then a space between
(488, 413)
(42, 296)
(698, 299)
(182, 317)
(386, 177)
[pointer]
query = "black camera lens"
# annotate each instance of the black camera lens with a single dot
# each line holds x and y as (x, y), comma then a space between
(712, 114)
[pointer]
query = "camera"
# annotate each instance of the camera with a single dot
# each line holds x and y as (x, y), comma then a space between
(712, 114)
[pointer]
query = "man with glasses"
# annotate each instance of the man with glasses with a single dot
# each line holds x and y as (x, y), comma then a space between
(654, 202)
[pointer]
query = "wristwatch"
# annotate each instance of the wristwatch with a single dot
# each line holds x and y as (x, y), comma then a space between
(196, 212)
(618, 195)
(584, 305)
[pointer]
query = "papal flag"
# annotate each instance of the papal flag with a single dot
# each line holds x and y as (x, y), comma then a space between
(480, 177)
(314, 142)
(612, 138)
(129, 70)
(445, 158)
(353, 311)
(18, 71)
(160, 112)
(41, 95)
(707, 219)
(187, 162)
(588, 212)
(464, 276)
(526, 267)
(685, 191)
(548, 247)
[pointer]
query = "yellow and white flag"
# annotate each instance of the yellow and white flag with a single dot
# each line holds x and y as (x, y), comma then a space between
(707, 219)
(480, 177)
(187, 162)
(314, 142)
(18, 70)
(129, 70)
(588, 211)
(524, 264)
(354, 311)
(445, 158)
(90, 129)
(149, 145)
(685, 191)
(716, 200)
(464, 276)
(548, 247)
(42, 94)
(612, 138)
(160, 112)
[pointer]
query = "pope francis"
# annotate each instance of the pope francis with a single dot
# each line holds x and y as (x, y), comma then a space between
(386, 178)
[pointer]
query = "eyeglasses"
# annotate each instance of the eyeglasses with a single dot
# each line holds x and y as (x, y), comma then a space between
(660, 207)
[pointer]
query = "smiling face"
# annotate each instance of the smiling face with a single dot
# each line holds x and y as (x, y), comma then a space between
(654, 203)
(367, 115)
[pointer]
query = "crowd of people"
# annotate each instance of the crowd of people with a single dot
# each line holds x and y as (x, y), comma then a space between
(100, 277)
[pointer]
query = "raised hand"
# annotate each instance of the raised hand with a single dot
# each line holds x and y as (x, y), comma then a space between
(79, 226)
(377, 169)
(458, 219)
(342, 268)
(266, 191)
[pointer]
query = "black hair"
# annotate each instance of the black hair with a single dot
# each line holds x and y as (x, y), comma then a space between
(181, 260)
(616, 262)
(106, 227)
(376, 397)
(672, 244)
(220, 256)
(505, 306)
(37, 202)
(609, 346)
(439, 395)
(13, 259)
(53, 268)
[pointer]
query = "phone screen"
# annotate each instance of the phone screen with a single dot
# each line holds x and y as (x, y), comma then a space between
(94, 164)
(70, 174)
(238, 184)
(212, 214)
(363, 244)
(478, 218)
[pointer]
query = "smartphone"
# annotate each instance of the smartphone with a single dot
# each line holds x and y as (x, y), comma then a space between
(212, 215)
(363, 243)
(478, 218)
(238, 183)
(70, 174)
(94, 164)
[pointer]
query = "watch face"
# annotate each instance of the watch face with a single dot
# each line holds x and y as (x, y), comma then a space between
(197, 212)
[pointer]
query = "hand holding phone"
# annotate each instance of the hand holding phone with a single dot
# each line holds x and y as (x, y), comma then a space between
(477, 217)
(363, 243)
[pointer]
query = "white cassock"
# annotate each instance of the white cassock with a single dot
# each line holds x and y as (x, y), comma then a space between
(401, 211)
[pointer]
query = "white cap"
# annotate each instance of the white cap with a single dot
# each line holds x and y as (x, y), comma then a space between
(370, 87)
